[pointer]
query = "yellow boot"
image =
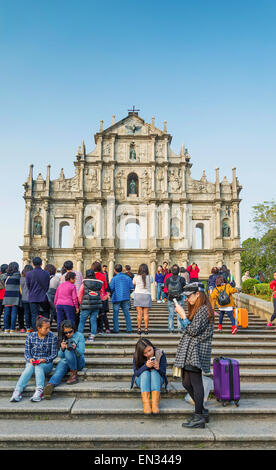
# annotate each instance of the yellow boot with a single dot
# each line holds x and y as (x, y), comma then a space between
(155, 401)
(146, 402)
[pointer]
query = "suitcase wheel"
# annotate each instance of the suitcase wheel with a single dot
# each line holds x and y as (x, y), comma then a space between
(237, 403)
(224, 403)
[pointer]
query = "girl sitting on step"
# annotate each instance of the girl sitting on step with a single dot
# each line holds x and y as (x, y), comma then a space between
(149, 366)
(71, 345)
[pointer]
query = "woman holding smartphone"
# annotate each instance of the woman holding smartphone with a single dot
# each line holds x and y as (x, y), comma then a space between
(149, 366)
(193, 354)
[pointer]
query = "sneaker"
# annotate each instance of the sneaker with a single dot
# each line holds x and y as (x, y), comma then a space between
(234, 330)
(16, 396)
(220, 327)
(108, 331)
(6, 331)
(269, 324)
(22, 331)
(38, 395)
(12, 331)
(91, 338)
(100, 333)
(159, 301)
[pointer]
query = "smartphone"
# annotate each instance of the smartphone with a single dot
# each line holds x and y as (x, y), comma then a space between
(35, 363)
(152, 359)
(175, 302)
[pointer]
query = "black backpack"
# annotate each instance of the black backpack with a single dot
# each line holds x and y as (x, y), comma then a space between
(223, 298)
(174, 288)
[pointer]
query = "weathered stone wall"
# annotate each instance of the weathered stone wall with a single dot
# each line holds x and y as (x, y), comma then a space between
(254, 305)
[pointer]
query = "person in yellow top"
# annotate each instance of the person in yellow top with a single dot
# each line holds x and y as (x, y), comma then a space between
(222, 296)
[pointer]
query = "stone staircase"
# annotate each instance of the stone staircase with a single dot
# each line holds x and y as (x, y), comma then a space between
(101, 412)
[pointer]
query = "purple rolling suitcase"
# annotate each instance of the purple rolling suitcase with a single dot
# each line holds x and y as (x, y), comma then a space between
(226, 376)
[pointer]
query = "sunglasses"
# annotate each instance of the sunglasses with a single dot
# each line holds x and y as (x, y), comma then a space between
(68, 332)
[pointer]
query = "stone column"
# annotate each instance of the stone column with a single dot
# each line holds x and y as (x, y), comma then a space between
(237, 269)
(79, 262)
(166, 225)
(45, 222)
(80, 236)
(110, 220)
(152, 272)
(236, 221)
(111, 263)
(27, 224)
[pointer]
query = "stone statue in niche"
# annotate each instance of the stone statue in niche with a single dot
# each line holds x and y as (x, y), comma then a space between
(132, 187)
(37, 227)
(160, 178)
(146, 183)
(91, 181)
(225, 230)
(132, 154)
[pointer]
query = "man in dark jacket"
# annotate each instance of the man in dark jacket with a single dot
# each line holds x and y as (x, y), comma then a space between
(37, 282)
(90, 302)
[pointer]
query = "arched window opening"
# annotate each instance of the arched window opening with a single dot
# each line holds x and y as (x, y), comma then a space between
(132, 184)
(64, 235)
(89, 227)
(132, 234)
(199, 237)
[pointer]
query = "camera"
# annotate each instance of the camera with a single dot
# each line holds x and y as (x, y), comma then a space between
(70, 344)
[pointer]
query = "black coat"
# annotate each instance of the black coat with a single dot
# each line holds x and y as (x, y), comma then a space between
(91, 299)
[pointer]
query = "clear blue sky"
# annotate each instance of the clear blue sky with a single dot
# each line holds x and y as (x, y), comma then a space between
(205, 66)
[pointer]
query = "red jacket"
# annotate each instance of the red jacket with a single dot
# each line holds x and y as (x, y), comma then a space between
(272, 286)
(193, 272)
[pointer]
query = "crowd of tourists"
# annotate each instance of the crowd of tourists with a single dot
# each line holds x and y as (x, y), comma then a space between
(37, 298)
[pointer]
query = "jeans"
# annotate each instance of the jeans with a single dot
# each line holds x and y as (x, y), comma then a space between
(172, 312)
(40, 370)
(35, 311)
(124, 304)
(93, 320)
(70, 362)
(160, 291)
(230, 315)
(149, 381)
(27, 314)
(10, 317)
(65, 312)
(273, 316)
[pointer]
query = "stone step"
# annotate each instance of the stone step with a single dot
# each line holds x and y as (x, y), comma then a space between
(262, 373)
(60, 407)
(96, 352)
(121, 389)
(150, 433)
(126, 362)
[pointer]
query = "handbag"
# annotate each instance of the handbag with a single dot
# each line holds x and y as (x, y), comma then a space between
(177, 372)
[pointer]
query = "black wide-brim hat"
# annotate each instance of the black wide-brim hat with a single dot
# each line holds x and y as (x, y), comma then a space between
(193, 287)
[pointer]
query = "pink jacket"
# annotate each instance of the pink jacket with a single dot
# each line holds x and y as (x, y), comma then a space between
(66, 294)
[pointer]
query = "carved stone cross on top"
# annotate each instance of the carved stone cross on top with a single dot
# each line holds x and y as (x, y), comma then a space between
(133, 110)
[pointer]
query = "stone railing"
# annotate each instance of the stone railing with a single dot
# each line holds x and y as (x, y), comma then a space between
(254, 305)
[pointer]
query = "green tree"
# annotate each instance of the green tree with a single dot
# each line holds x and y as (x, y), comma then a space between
(264, 216)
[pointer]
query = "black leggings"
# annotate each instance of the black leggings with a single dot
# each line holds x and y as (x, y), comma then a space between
(192, 381)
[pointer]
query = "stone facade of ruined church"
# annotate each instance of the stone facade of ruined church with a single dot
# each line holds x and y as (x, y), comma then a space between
(133, 177)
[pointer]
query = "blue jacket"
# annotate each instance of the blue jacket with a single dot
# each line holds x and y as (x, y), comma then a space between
(37, 282)
(120, 287)
(162, 370)
(159, 278)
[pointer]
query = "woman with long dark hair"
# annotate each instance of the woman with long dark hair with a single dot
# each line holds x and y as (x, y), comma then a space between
(71, 348)
(149, 367)
(12, 296)
(25, 298)
(193, 354)
(142, 296)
